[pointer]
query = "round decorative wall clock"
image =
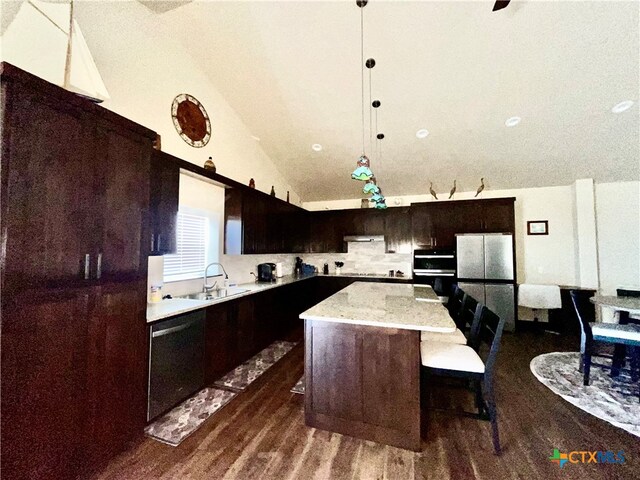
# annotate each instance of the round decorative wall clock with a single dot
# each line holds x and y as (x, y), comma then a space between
(191, 120)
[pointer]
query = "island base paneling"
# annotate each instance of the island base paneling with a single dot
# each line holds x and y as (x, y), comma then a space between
(356, 379)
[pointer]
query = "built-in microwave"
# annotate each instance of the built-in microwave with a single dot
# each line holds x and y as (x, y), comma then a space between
(436, 268)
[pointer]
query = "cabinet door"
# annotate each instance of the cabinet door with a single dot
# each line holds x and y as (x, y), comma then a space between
(373, 220)
(397, 230)
(50, 217)
(422, 227)
(165, 189)
(233, 221)
(254, 224)
(219, 352)
(245, 332)
(498, 215)
(296, 229)
(117, 368)
(123, 164)
(43, 384)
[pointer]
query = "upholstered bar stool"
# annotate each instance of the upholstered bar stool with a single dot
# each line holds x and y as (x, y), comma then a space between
(539, 297)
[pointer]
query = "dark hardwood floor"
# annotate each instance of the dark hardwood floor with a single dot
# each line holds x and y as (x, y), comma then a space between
(261, 434)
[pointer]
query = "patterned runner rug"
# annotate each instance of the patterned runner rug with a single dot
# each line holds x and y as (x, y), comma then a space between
(176, 425)
(612, 400)
(299, 387)
(241, 377)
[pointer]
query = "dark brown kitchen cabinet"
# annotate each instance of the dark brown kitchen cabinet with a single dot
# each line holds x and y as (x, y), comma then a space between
(44, 368)
(435, 224)
(73, 379)
(397, 230)
(75, 186)
(422, 227)
(123, 201)
(49, 211)
(220, 344)
(165, 190)
(498, 215)
(117, 368)
(256, 223)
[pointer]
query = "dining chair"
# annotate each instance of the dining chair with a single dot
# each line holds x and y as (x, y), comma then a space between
(463, 361)
(454, 304)
(462, 313)
(592, 333)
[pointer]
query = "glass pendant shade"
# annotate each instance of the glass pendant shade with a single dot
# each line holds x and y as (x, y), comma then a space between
(362, 173)
(377, 197)
(370, 188)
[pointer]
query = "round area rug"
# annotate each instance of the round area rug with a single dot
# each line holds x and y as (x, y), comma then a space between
(613, 400)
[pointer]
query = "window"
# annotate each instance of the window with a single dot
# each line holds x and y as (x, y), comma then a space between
(191, 256)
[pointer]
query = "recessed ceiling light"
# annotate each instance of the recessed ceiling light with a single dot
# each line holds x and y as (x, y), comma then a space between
(257, 139)
(622, 106)
(316, 147)
(422, 133)
(513, 121)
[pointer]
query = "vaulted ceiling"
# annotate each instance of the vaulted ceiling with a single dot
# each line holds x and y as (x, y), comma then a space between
(292, 71)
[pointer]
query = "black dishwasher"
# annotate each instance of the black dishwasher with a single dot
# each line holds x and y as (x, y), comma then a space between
(176, 361)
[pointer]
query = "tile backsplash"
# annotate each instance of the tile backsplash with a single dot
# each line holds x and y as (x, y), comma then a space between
(366, 257)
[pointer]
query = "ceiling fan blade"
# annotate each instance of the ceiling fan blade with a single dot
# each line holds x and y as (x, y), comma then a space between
(500, 4)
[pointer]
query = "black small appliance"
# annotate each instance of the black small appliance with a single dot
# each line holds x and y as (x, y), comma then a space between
(266, 272)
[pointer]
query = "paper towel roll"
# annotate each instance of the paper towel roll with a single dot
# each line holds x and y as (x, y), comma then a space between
(279, 270)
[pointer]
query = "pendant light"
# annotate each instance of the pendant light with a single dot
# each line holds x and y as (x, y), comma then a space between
(380, 201)
(363, 165)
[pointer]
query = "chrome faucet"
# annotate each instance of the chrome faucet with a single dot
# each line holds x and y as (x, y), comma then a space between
(207, 288)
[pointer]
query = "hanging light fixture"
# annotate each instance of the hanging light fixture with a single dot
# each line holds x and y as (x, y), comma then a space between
(363, 165)
(379, 200)
(381, 203)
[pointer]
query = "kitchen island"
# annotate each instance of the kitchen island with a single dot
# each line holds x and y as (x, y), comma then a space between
(362, 360)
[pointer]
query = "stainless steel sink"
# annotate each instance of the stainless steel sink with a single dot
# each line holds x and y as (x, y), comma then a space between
(215, 294)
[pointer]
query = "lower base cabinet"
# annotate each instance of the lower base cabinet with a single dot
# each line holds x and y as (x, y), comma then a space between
(117, 369)
(73, 379)
(236, 330)
(44, 358)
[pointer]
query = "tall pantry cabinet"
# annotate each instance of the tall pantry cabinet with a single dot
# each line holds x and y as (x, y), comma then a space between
(75, 237)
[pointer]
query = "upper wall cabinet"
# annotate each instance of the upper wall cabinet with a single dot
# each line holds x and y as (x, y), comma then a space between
(75, 194)
(165, 190)
(435, 224)
(257, 223)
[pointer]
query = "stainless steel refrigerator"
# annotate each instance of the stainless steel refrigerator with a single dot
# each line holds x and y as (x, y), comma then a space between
(485, 270)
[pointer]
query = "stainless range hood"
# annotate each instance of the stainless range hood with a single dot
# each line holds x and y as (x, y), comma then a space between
(364, 238)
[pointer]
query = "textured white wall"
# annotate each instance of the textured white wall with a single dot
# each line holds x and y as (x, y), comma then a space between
(618, 222)
(144, 69)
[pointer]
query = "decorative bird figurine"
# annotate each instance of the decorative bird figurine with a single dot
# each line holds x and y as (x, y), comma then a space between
(480, 188)
(453, 190)
(432, 191)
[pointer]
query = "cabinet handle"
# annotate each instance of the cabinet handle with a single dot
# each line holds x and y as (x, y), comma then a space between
(99, 266)
(153, 242)
(159, 242)
(87, 264)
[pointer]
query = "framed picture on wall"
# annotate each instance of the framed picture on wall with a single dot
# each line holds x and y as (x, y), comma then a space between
(538, 227)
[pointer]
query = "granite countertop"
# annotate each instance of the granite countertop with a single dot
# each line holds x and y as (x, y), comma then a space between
(176, 306)
(384, 305)
(629, 304)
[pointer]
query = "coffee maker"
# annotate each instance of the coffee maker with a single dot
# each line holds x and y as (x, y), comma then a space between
(266, 272)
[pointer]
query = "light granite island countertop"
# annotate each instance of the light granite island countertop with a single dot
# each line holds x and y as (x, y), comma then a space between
(405, 306)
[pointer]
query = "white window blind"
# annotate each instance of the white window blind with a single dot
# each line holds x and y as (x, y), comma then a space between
(191, 248)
